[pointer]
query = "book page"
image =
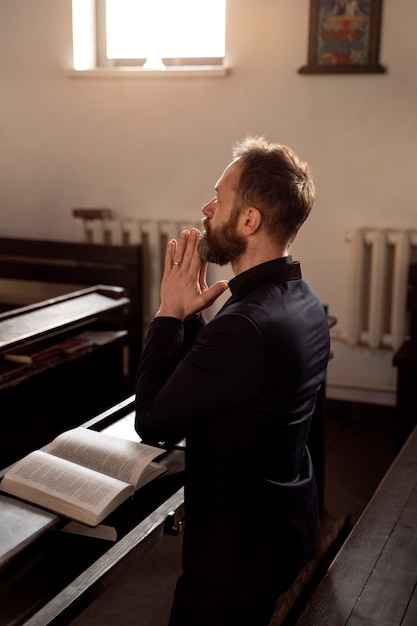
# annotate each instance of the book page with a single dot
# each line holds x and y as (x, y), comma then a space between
(64, 487)
(121, 458)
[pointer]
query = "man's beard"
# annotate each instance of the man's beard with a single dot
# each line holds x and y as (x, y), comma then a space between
(222, 246)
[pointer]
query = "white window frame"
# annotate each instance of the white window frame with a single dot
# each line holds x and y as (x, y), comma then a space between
(90, 58)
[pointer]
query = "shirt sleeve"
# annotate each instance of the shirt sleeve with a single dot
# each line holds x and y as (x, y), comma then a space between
(178, 391)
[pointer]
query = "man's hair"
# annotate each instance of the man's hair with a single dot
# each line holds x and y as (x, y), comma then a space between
(276, 182)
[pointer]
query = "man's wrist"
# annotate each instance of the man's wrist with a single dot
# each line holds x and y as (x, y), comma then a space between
(167, 313)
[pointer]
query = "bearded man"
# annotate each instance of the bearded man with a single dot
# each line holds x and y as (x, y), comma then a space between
(241, 389)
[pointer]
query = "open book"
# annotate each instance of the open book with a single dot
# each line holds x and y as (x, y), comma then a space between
(83, 474)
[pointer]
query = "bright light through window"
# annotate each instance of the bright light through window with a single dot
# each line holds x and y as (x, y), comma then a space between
(165, 28)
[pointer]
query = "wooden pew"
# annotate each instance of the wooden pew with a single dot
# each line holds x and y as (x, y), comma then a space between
(373, 579)
(58, 574)
(63, 385)
(80, 264)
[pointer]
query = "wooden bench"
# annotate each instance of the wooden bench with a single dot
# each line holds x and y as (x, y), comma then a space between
(55, 576)
(67, 383)
(373, 579)
(81, 264)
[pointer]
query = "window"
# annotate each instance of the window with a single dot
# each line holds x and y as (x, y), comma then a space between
(149, 34)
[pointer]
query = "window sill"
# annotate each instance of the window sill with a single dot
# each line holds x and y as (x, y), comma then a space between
(185, 71)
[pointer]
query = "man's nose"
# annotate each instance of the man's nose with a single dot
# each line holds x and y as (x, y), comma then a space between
(208, 209)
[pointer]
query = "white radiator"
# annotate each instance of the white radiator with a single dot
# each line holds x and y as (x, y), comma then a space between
(153, 235)
(378, 286)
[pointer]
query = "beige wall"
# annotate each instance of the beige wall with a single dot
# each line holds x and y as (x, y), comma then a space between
(156, 147)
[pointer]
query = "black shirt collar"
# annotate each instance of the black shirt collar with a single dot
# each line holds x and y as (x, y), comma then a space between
(276, 271)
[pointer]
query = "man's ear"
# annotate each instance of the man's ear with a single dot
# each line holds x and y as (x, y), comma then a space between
(251, 220)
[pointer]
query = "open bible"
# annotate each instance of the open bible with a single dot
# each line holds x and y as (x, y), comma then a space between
(83, 474)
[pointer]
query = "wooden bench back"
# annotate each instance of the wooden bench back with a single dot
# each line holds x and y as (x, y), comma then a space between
(82, 264)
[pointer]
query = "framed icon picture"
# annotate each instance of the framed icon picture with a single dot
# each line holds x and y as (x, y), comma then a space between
(344, 37)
